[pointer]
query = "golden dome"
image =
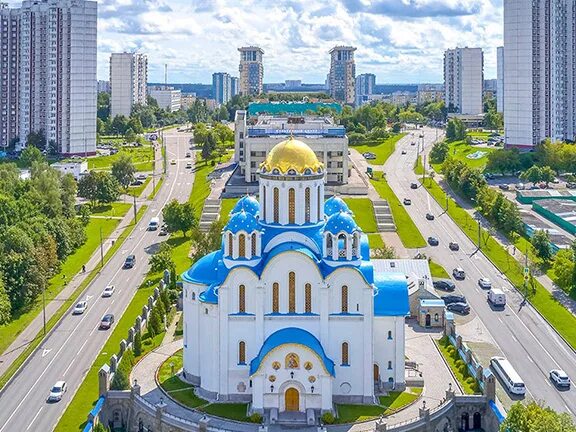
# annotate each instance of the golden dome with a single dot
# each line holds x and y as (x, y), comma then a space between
(291, 154)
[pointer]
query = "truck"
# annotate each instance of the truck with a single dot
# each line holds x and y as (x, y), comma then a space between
(497, 297)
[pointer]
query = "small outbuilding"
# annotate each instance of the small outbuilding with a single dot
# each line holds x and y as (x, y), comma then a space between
(431, 313)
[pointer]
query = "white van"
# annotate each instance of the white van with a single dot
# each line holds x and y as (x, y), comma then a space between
(153, 224)
(497, 297)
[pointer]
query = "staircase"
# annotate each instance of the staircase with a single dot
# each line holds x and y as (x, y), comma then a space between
(210, 213)
(383, 215)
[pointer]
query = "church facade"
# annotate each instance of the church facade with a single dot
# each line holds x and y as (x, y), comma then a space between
(289, 314)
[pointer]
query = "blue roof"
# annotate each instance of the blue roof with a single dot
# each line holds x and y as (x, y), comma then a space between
(335, 205)
(205, 270)
(496, 411)
(291, 335)
(432, 303)
(341, 221)
(210, 295)
(391, 298)
(96, 410)
(247, 203)
(242, 221)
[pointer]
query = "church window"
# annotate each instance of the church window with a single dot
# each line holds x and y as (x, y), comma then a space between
(329, 244)
(307, 204)
(276, 206)
(241, 299)
(291, 206)
(253, 244)
(264, 202)
(342, 245)
(292, 361)
(389, 364)
(275, 295)
(291, 292)
(230, 244)
(241, 246)
(390, 334)
(345, 361)
(242, 352)
(193, 296)
(308, 295)
(344, 299)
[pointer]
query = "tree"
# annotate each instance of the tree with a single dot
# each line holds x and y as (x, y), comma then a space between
(130, 135)
(119, 125)
(162, 259)
(386, 252)
(206, 242)
(455, 130)
(532, 174)
(100, 428)
(121, 378)
(573, 247)
(439, 152)
(30, 155)
(208, 147)
(36, 139)
(493, 120)
(137, 343)
(103, 105)
(135, 124)
(533, 417)
(154, 325)
(547, 174)
(503, 161)
(165, 298)
(179, 217)
(5, 306)
(563, 269)
(123, 170)
(88, 187)
(99, 186)
(541, 243)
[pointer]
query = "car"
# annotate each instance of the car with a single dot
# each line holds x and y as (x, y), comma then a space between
(560, 378)
(504, 186)
(453, 246)
(108, 291)
(407, 201)
(141, 177)
(163, 231)
(137, 183)
(543, 185)
(413, 185)
(429, 216)
(520, 186)
(130, 261)
(485, 283)
(369, 155)
(571, 185)
(444, 284)
(459, 273)
(189, 165)
(173, 162)
(413, 143)
(461, 308)
(57, 391)
(453, 298)
(433, 241)
(188, 154)
(403, 152)
(80, 307)
(107, 321)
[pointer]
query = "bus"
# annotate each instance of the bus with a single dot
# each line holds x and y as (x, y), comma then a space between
(508, 375)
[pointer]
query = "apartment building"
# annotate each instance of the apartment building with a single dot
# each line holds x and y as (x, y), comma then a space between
(342, 77)
(168, 98)
(500, 79)
(430, 93)
(224, 87)
(464, 80)
(539, 62)
(128, 81)
(251, 71)
(9, 68)
(365, 84)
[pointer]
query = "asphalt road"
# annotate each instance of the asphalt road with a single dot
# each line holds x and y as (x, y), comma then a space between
(520, 332)
(69, 351)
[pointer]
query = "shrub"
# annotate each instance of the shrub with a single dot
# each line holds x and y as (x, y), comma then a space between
(470, 380)
(154, 323)
(128, 358)
(120, 381)
(256, 418)
(137, 344)
(328, 418)
(458, 363)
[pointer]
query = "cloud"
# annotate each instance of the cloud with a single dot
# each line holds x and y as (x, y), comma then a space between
(415, 8)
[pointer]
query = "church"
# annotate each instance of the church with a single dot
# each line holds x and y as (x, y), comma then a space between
(289, 314)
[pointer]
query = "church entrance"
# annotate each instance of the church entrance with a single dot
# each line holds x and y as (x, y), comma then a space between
(292, 399)
(376, 373)
(427, 320)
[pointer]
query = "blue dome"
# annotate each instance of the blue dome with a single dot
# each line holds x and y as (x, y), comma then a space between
(205, 270)
(242, 221)
(247, 203)
(335, 205)
(341, 222)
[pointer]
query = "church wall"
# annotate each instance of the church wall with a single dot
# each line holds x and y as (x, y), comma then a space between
(388, 349)
(191, 310)
(356, 286)
(209, 338)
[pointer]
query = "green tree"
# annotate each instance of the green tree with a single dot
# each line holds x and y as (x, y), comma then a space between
(30, 155)
(36, 139)
(455, 130)
(162, 259)
(130, 135)
(154, 325)
(5, 306)
(573, 248)
(88, 187)
(493, 120)
(100, 428)
(533, 417)
(119, 125)
(135, 124)
(68, 192)
(165, 298)
(137, 343)
(439, 152)
(103, 105)
(123, 170)
(563, 269)
(547, 174)
(208, 147)
(541, 243)
(503, 161)
(121, 378)
(179, 217)
(108, 187)
(532, 174)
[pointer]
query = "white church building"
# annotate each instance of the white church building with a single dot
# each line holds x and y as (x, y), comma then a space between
(289, 315)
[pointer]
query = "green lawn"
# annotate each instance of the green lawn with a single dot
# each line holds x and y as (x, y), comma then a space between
(479, 135)
(382, 149)
(395, 401)
(201, 186)
(460, 149)
(233, 411)
(458, 366)
(226, 207)
(178, 389)
(142, 158)
(117, 209)
(418, 166)
(398, 400)
(407, 230)
(375, 241)
(137, 190)
(363, 213)
(438, 271)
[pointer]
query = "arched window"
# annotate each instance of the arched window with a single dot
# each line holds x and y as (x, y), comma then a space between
(275, 295)
(308, 298)
(307, 205)
(292, 292)
(389, 364)
(344, 299)
(264, 202)
(291, 206)
(241, 246)
(292, 361)
(253, 244)
(230, 244)
(329, 244)
(242, 352)
(389, 334)
(345, 361)
(241, 299)
(193, 296)
(342, 245)
(276, 206)
(355, 251)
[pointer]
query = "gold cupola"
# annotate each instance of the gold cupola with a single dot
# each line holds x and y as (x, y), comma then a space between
(291, 157)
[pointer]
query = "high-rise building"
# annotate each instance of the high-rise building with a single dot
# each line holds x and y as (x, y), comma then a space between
(365, 84)
(342, 74)
(500, 79)
(167, 98)
(234, 86)
(464, 80)
(9, 67)
(128, 80)
(103, 86)
(221, 87)
(539, 71)
(251, 71)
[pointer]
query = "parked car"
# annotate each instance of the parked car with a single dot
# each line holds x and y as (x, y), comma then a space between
(107, 321)
(141, 177)
(108, 291)
(163, 231)
(571, 185)
(444, 284)
(453, 298)
(485, 283)
(520, 186)
(454, 246)
(504, 186)
(560, 378)
(459, 273)
(57, 391)
(433, 241)
(189, 165)
(137, 183)
(369, 155)
(461, 308)
(80, 307)
(413, 185)
(429, 216)
(130, 261)
(407, 201)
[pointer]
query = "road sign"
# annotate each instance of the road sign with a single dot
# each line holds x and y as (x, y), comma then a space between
(526, 271)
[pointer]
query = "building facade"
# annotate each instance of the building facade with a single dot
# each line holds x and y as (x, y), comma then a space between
(464, 80)
(168, 98)
(342, 75)
(289, 314)
(251, 71)
(365, 84)
(255, 139)
(221, 87)
(128, 82)
(9, 67)
(500, 79)
(539, 72)
(430, 93)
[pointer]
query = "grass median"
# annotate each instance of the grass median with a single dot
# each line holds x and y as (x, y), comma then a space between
(458, 366)
(381, 148)
(156, 189)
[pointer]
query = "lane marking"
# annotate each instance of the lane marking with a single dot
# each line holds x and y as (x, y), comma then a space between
(69, 366)
(45, 352)
(82, 347)
(35, 417)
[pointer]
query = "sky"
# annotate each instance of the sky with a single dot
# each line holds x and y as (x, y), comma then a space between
(401, 41)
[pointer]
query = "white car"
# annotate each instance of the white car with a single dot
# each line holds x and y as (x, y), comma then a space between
(560, 378)
(108, 291)
(80, 307)
(485, 283)
(57, 391)
(189, 165)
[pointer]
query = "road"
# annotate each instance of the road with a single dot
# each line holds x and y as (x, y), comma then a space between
(72, 346)
(520, 332)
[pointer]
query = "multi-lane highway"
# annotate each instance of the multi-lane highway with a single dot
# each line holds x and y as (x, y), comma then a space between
(70, 349)
(520, 332)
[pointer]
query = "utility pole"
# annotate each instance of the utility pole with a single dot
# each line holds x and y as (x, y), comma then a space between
(101, 250)
(423, 168)
(44, 308)
(135, 212)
